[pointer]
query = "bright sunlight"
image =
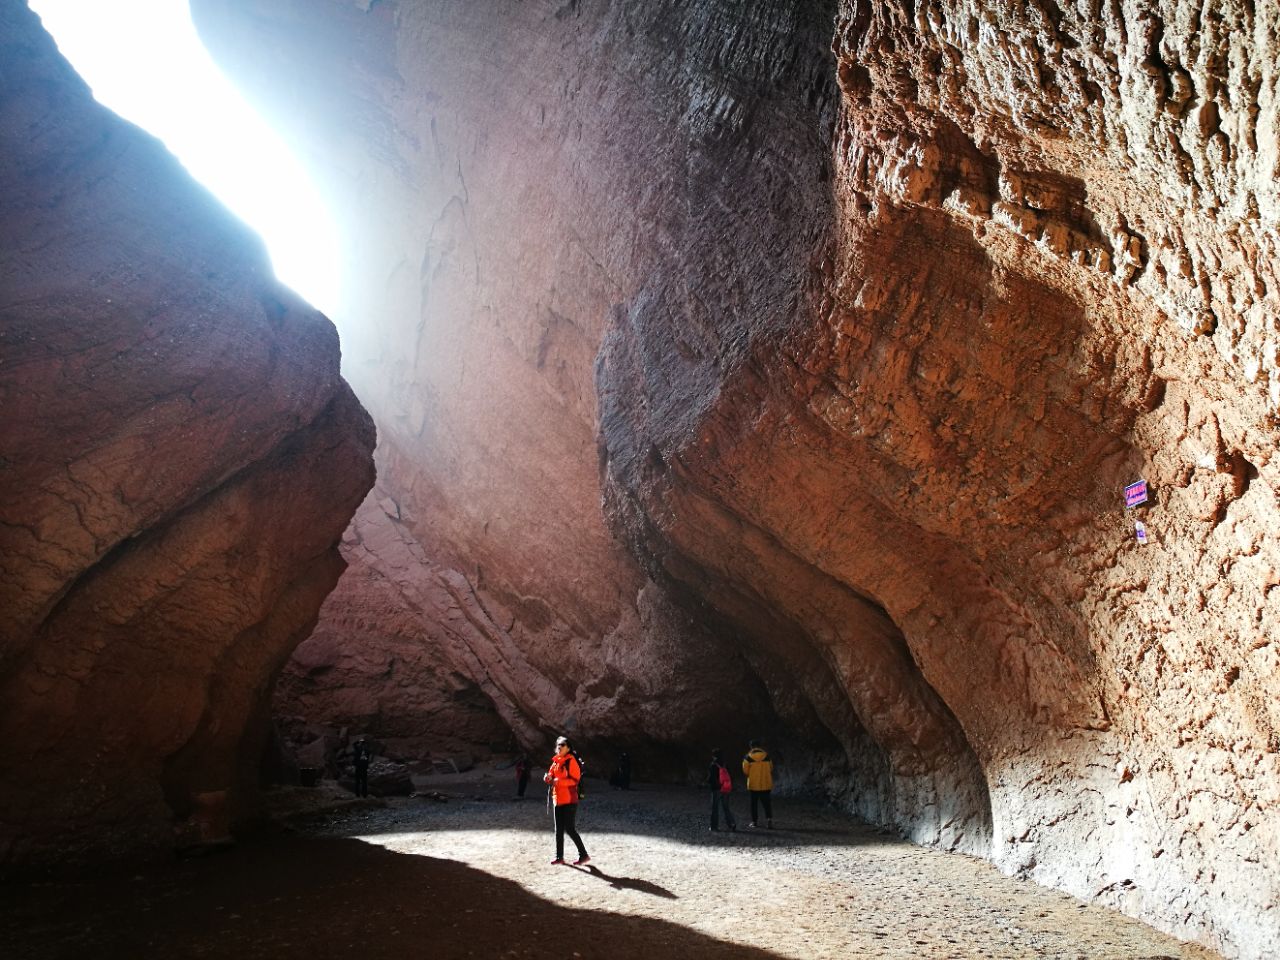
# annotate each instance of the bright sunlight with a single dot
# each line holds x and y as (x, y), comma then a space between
(144, 60)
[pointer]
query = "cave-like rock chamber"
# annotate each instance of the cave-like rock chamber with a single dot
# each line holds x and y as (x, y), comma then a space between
(767, 369)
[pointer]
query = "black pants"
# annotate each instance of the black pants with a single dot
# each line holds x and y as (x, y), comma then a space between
(758, 797)
(720, 801)
(522, 784)
(566, 817)
(362, 780)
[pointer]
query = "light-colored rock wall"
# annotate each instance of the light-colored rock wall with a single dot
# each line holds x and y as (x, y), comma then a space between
(178, 458)
(487, 257)
(859, 319)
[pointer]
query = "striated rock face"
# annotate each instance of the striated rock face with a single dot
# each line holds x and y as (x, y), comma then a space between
(488, 269)
(858, 318)
(432, 662)
(381, 660)
(178, 458)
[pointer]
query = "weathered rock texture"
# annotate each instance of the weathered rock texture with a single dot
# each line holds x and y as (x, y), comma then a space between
(178, 458)
(381, 659)
(1057, 273)
(860, 348)
(487, 300)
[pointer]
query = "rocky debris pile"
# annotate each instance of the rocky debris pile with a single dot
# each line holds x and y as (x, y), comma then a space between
(387, 778)
(311, 752)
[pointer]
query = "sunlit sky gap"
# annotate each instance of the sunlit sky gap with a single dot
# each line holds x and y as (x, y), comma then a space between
(143, 59)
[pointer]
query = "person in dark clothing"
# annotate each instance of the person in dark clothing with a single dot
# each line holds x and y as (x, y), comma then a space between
(717, 777)
(563, 778)
(362, 753)
(621, 778)
(523, 769)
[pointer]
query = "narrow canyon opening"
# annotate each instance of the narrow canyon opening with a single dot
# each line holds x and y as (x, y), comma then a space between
(893, 382)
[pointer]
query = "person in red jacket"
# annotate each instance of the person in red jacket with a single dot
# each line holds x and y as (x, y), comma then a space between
(563, 777)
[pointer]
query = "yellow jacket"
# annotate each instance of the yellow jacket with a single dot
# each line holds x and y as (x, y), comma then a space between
(759, 770)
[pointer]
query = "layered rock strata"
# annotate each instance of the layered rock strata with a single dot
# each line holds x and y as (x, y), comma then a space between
(436, 661)
(380, 661)
(178, 460)
(859, 318)
(487, 296)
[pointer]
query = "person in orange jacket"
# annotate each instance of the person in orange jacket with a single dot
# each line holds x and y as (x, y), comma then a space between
(563, 778)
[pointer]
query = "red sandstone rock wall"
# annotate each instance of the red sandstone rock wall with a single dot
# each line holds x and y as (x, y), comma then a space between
(1073, 214)
(392, 655)
(878, 337)
(178, 457)
(476, 218)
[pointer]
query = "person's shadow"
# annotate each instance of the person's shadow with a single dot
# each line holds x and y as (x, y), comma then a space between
(630, 883)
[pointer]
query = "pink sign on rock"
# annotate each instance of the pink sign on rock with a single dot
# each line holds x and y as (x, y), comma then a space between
(1135, 493)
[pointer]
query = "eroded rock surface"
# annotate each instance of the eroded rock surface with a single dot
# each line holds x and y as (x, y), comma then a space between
(859, 317)
(1076, 275)
(380, 659)
(433, 663)
(179, 458)
(480, 264)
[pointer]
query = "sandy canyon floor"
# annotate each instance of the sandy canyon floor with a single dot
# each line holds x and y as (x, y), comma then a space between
(470, 877)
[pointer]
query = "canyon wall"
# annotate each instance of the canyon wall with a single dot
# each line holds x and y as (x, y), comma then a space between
(834, 333)
(486, 252)
(178, 458)
(1058, 275)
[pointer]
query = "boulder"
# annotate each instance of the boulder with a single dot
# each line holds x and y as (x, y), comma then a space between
(387, 778)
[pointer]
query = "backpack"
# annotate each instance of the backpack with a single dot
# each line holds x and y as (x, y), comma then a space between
(726, 782)
(582, 772)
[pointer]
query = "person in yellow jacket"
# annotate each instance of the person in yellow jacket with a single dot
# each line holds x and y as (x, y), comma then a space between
(759, 770)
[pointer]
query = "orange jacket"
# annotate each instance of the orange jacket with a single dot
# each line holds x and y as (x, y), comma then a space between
(563, 777)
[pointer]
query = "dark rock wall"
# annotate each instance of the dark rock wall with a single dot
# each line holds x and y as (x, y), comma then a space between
(178, 458)
(856, 321)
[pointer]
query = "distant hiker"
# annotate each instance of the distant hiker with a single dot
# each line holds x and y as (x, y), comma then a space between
(362, 753)
(721, 784)
(621, 779)
(759, 770)
(563, 779)
(523, 769)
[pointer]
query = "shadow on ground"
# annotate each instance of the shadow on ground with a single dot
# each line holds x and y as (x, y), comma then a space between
(631, 883)
(327, 897)
(684, 817)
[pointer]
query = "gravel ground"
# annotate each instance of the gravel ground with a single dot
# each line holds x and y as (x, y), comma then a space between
(470, 878)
